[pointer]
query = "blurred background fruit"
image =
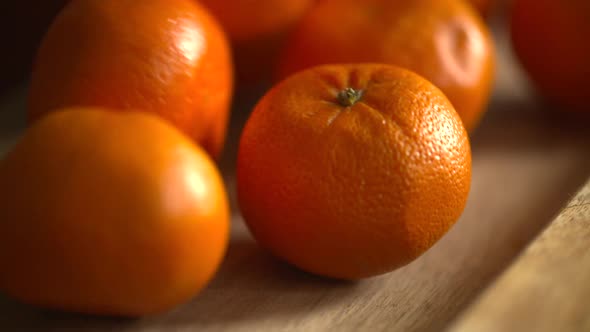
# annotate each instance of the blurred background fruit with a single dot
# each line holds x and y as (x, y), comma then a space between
(444, 41)
(109, 213)
(552, 41)
(352, 171)
(169, 57)
(256, 29)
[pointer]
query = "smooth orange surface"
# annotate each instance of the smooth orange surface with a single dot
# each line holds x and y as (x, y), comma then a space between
(109, 213)
(551, 39)
(167, 57)
(257, 29)
(245, 20)
(443, 41)
(352, 192)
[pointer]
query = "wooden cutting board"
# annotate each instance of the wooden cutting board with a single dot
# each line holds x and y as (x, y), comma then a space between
(547, 288)
(528, 163)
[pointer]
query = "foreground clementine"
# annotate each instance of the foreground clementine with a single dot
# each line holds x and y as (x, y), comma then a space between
(444, 41)
(107, 213)
(167, 57)
(352, 171)
(550, 39)
(256, 29)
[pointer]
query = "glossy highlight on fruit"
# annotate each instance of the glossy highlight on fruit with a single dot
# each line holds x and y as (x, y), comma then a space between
(167, 57)
(351, 171)
(446, 42)
(109, 213)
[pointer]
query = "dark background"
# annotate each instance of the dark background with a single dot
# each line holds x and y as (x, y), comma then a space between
(22, 26)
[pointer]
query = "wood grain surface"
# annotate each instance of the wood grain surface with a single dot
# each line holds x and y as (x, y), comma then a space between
(547, 288)
(528, 162)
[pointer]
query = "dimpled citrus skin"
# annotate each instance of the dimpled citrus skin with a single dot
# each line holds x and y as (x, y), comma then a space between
(352, 192)
(109, 213)
(550, 39)
(444, 41)
(168, 57)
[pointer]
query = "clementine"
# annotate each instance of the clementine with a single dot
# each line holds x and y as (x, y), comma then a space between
(444, 41)
(350, 171)
(256, 29)
(109, 213)
(550, 39)
(167, 57)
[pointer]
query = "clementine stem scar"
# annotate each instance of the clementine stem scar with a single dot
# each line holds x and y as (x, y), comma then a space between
(349, 96)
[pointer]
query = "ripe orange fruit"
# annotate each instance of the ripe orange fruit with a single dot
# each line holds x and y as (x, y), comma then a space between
(551, 40)
(109, 213)
(444, 41)
(256, 29)
(167, 57)
(350, 171)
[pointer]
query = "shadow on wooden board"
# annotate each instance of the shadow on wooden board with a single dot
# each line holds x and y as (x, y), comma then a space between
(527, 163)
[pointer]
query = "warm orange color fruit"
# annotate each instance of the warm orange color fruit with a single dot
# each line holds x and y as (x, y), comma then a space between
(551, 39)
(245, 20)
(444, 41)
(109, 213)
(256, 29)
(350, 171)
(168, 57)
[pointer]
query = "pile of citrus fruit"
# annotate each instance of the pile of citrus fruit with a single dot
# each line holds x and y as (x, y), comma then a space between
(355, 162)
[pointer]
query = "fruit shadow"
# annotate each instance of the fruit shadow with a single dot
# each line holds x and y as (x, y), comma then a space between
(20, 317)
(251, 287)
(12, 117)
(514, 126)
(514, 134)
